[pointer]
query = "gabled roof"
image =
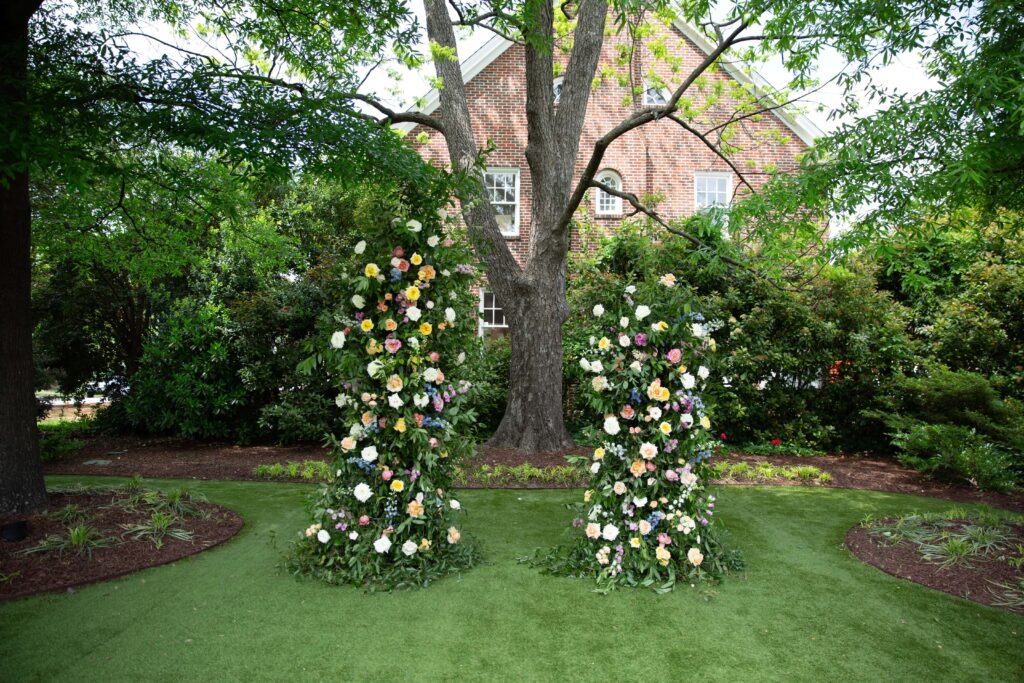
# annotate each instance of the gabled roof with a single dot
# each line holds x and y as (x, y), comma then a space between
(482, 57)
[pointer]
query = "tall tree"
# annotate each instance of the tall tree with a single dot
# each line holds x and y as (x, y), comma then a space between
(796, 33)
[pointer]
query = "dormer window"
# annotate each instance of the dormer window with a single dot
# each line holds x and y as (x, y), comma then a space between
(609, 204)
(654, 96)
(558, 89)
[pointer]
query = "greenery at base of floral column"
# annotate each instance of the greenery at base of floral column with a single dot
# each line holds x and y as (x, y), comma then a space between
(387, 518)
(647, 517)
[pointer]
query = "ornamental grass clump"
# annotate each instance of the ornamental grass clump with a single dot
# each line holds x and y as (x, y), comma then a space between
(386, 518)
(646, 519)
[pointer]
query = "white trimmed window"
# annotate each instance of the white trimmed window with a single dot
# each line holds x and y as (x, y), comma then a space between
(503, 190)
(711, 189)
(653, 95)
(609, 204)
(492, 317)
(558, 89)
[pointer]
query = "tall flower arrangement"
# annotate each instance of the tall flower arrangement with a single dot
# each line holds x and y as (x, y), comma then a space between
(647, 517)
(388, 519)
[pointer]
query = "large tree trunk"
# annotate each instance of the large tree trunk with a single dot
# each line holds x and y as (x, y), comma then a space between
(533, 419)
(21, 474)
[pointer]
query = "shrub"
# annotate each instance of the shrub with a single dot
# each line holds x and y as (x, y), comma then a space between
(58, 440)
(957, 453)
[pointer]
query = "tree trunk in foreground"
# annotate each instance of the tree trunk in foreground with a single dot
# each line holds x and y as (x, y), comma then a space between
(21, 473)
(533, 419)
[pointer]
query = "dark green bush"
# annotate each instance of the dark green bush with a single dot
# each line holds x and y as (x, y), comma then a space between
(956, 453)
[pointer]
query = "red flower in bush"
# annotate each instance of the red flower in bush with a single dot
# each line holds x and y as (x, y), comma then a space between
(776, 442)
(723, 436)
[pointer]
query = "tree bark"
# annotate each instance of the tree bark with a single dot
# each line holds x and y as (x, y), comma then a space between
(21, 475)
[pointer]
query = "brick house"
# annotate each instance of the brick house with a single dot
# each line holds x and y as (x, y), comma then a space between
(659, 158)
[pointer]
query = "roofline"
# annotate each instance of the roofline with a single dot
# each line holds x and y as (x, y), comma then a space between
(482, 57)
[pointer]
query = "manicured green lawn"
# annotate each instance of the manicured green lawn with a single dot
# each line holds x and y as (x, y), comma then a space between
(804, 610)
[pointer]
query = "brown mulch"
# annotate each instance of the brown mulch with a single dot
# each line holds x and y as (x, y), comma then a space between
(41, 572)
(174, 458)
(973, 581)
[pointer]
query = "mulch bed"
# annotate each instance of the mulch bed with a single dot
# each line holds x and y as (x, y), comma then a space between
(903, 560)
(174, 458)
(52, 571)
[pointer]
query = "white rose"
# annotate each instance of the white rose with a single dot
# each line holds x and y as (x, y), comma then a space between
(631, 289)
(624, 321)
(374, 368)
(610, 532)
(642, 312)
(639, 502)
(598, 311)
(454, 504)
(449, 314)
(597, 367)
(341, 401)
(358, 301)
(703, 372)
(395, 401)
(611, 425)
(420, 400)
(362, 493)
(414, 342)
(635, 365)
(654, 412)
(698, 330)
(689, 381)
(382, 544)
(323, 536)
(461, 358)
(619, 488)
(369, 453)
(414, 226)
(430, 305)
(360, 246)
(624, 341)
(354, 536)
(585, 364)
(338, 339)
(687, 420)
(433, 241)
(409, 548)
(595, 468)
(413, 313)
(356, 430)
(430, 375)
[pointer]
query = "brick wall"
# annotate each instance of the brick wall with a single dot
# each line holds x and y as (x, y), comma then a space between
(658, 158)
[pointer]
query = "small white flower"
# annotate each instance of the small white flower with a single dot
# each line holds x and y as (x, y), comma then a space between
(414, 342)
(595, 468)
(598, 311)
(395, 401)
(414, 226)
(446, 273)
(610, 532)
(369, 453)
(374, 368)
(430, 305)
(461, 358)
(420, 400)
(686, 420)
(433, 241)
(611, 425)
(585, 364)
(624, 341)
(342, 400)
(360, 246)
(323, 536)
(698, 330)
(449, 314)
(597, 367)
(619, 488)
(454, 504)
(703, 372)
(354, 536)
(382, 544)
(624, 321)
(338, 339)
(635, 365)
(689, 381)
(409, 548)
(639, 502)
(413, 313)
(642, 312)
(631, 289)
(430, 375)
(362, 493)
(358, 301)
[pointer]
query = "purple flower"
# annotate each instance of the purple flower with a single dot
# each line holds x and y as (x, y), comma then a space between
(640, 339)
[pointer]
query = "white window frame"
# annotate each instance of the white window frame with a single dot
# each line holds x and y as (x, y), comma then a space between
(516, 174)
(482, 326)
(713, 175)
(601, 195)
(648, 87)
(556, 92)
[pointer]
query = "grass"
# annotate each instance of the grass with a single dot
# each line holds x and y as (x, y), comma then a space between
(805, 610)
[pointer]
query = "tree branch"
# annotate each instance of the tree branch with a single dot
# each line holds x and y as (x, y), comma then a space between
(391, 116)
(714, 148)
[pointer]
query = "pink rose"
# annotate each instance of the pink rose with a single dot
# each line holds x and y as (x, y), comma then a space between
(392, 345)
(386, 475)
(674, 356)
(433, 442)
(398, 251)
(435, 356)
(664, 539)
(403, 266)
(651, 466)
(672, 475)
(364, 520)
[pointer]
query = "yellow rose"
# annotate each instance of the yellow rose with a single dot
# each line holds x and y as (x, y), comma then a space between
(665, 394)
(665, 428)
(662, 325)
(397, 485)
(426, 329)
(366, 325)
(395, 384)
(453, 535)
(712, 345)
(634, 542)
(586, 495)
(413, 294)
(598, 453)
(425, 544)
(373, 347)
(663, 556)
(604, 343)
(400, 425)
(371, 270)
(415, 508)
(638, 468)
(415, 259)
(705, 422)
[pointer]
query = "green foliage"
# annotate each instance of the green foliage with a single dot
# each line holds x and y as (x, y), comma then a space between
(81, 539)
(513, 476)
(309, 470)
(956, 452)
(765, 472)
(58, 440)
